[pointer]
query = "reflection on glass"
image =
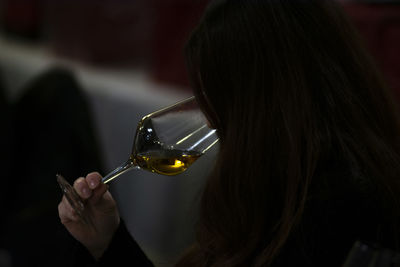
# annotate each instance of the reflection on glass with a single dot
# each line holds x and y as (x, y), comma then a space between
(166, 142)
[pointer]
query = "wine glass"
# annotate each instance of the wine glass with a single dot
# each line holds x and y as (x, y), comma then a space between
(371, 255)
(166, 142)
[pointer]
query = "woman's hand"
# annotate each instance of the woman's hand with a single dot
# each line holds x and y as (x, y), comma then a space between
(101, 211)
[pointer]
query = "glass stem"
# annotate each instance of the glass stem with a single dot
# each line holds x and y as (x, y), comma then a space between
(128, 165)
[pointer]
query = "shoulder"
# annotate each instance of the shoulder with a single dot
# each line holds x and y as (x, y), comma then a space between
(342, 207)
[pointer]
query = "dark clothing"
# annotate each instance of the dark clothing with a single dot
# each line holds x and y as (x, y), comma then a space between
(122, 249)
(343, 207)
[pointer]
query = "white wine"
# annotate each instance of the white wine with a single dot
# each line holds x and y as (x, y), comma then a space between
(166, 142)
(166, 162)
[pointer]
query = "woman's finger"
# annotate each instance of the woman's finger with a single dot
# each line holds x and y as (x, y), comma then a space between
(98, 188)
(98, 193)
(93, 179)
(82, 188)
(66, 212)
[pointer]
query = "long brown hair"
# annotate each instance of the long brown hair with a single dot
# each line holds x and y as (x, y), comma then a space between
(286, 83)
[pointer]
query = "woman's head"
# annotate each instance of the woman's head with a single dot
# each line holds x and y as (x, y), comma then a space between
(288, 86)
(269, 56)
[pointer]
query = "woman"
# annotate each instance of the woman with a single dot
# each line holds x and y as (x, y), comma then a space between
(309, 142)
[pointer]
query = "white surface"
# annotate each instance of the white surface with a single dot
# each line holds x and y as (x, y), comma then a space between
(159, 211)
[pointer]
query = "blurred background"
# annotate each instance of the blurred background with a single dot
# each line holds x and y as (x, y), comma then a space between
(75, 78)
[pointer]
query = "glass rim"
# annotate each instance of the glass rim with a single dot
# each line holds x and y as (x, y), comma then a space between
(188, 99)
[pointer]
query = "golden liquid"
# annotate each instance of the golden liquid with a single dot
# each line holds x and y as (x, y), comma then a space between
(167, 162)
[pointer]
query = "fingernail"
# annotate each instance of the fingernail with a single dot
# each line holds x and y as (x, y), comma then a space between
(92, 184)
